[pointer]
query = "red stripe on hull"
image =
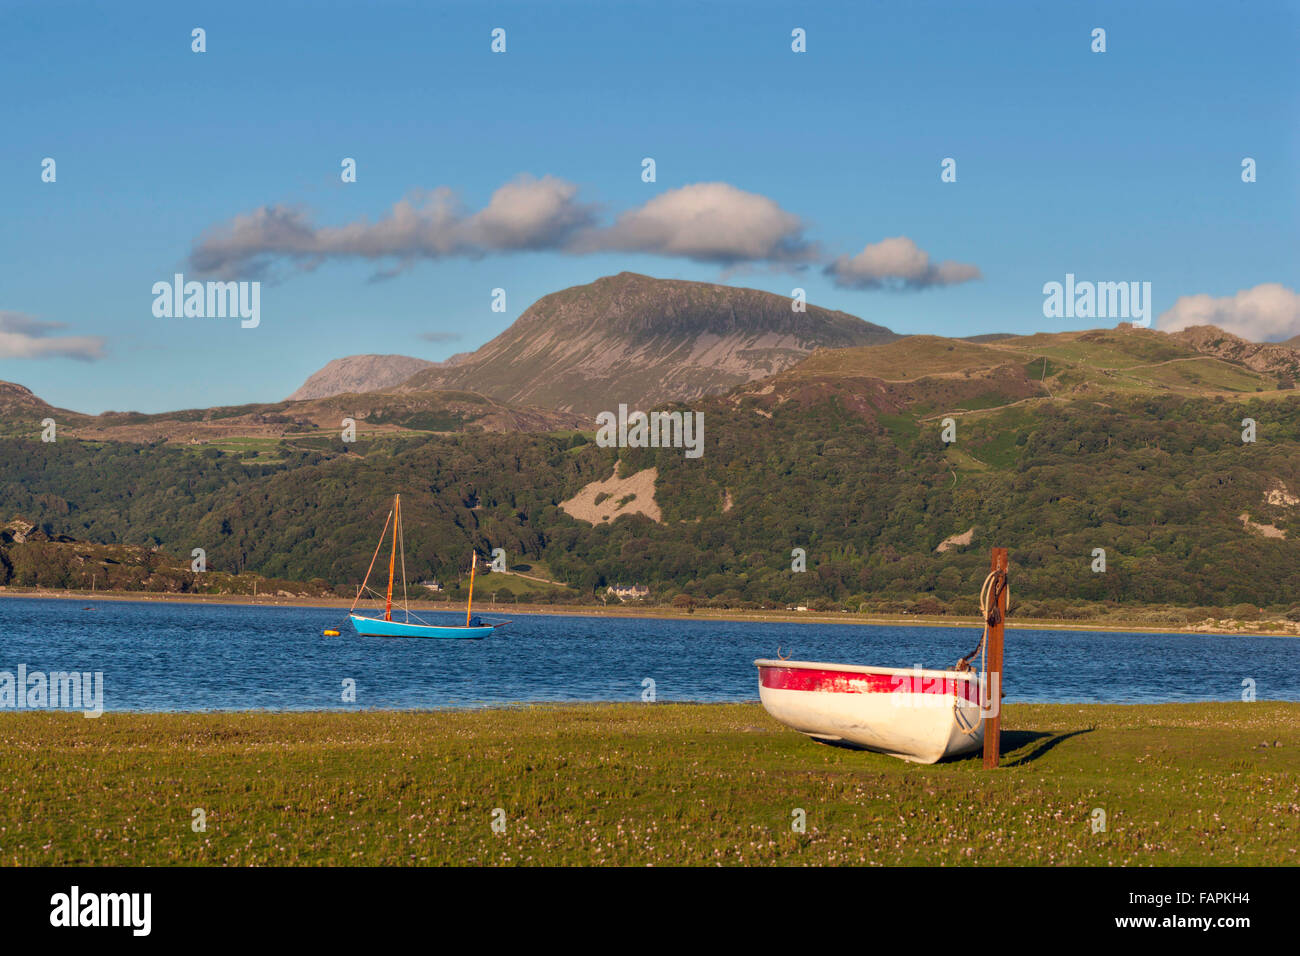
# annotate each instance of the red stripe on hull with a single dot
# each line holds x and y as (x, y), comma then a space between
(854, 682)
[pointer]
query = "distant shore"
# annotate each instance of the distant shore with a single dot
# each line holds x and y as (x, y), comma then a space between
(1117, 625)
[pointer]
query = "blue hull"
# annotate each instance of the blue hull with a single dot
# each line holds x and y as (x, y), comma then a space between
(375, 627)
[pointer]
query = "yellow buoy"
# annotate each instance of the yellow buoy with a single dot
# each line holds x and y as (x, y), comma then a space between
(331, 633)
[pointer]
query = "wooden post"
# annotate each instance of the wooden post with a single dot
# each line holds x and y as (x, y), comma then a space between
(993, 669)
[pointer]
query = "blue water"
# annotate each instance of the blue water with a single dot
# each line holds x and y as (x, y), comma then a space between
(204, 657)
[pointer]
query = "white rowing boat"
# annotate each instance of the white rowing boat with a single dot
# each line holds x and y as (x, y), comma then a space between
(916, 714)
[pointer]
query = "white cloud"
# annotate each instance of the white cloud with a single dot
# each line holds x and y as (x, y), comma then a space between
(897, 263)
(23, 337)
(1267, 313)
(526, 213)
(709, 222)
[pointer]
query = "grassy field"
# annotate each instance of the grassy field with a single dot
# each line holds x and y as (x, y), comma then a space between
(509, 582)
(644, 784)
(1131, 362)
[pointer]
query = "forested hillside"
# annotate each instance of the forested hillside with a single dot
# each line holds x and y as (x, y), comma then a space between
(1186, 512)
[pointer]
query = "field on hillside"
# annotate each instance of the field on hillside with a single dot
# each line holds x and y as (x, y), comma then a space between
(1129, 362)
(642, 784)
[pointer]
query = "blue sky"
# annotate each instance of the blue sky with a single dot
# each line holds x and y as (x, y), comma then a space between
(1118, 166)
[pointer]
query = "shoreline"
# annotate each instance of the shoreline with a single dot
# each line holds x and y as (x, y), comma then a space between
(657, 613)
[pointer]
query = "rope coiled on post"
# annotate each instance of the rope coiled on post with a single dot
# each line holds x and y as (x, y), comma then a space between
(990, 602)
(990, 594)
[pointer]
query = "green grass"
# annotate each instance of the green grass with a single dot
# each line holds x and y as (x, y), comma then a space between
(903, 428)
(515, 584)
(1201, 374)
(911, 357)
(1132, 363)
(982, 401)
(268, 449)
(1041, 368)
(1101, 349)
(964, 461)
(999, 451)
(643, 783)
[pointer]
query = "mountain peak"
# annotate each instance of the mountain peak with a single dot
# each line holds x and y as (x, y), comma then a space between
(1271, 358)
(17, 402)
(360, 373)
(635, 339)
(15, 391)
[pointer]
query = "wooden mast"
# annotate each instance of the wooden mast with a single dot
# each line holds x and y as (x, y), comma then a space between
(993, 667)
(392, 558)
(473, 563)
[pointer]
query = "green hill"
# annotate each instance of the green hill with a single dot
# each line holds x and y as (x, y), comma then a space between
(1125, 440)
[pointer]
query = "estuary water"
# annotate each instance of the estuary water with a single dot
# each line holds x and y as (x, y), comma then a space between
(181, 657)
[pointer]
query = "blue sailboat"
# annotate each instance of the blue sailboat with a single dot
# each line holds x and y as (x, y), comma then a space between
(473, 629)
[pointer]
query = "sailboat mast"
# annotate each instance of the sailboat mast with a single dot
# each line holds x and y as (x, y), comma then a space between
(392, 558)
(472, 565)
